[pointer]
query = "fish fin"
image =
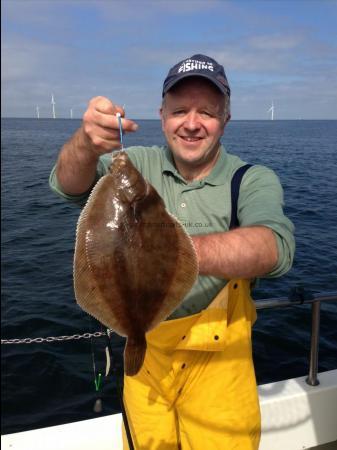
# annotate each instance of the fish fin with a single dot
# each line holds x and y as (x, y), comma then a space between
(87, 291)
(134, 355)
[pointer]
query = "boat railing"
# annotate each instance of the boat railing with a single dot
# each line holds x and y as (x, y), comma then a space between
(299, 296)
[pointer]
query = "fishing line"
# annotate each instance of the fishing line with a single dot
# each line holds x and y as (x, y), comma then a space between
(98, 406)
(116, 372)
(109, 349)
(119, 117)
(108, 360)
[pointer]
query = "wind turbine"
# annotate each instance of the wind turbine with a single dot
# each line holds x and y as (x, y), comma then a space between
(37, 112)
(53, 106)
(272, 110)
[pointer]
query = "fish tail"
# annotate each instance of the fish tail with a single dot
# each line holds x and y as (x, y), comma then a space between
(134, 355)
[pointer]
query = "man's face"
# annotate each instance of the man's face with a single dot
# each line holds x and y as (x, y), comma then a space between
(193, 122)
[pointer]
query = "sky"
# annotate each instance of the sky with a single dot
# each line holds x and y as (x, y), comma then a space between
(283, 52)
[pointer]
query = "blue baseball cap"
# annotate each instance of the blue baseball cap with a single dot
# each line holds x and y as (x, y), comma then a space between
(201, 66)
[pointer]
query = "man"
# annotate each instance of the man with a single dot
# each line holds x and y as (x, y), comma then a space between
(196, 389)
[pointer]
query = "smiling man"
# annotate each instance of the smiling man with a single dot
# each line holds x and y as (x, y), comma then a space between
(193, 120)
(197, 388)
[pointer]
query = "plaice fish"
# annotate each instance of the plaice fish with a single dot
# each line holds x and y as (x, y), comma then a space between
(134, 262)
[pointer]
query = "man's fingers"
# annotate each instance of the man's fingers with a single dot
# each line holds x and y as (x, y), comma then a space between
(103, 105)
(111, 121)
(129, 125)
(104, 113)
(101, 125)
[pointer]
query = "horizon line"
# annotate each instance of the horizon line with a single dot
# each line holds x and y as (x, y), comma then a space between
(135, 119)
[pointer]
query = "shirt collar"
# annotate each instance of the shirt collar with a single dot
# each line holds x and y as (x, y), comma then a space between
(217, 176)
(168, 165)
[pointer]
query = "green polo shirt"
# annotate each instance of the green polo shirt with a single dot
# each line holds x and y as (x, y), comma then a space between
(204, 207)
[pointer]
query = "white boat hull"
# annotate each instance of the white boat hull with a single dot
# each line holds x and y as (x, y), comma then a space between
(295, 416)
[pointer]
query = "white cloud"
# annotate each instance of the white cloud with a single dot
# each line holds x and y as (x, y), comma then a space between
(27, 58)
(123, 50)
(276, 42)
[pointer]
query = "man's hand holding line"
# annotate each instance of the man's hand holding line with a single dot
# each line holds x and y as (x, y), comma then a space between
(99, 134)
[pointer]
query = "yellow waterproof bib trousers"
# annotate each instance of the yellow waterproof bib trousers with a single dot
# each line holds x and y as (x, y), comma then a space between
(197, 389)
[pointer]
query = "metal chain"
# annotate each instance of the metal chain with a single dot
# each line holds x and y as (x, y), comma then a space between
(53, 338)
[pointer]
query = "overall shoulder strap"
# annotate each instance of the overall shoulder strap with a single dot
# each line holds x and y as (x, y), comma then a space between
(235, 189)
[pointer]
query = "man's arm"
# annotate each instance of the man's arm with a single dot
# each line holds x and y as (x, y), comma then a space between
(263, 245)
(76, 165)
(246, 252)
(99, 134)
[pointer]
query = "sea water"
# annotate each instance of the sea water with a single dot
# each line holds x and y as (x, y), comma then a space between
(51, 383)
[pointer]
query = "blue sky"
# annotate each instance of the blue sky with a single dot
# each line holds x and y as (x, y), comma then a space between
(280, 51)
